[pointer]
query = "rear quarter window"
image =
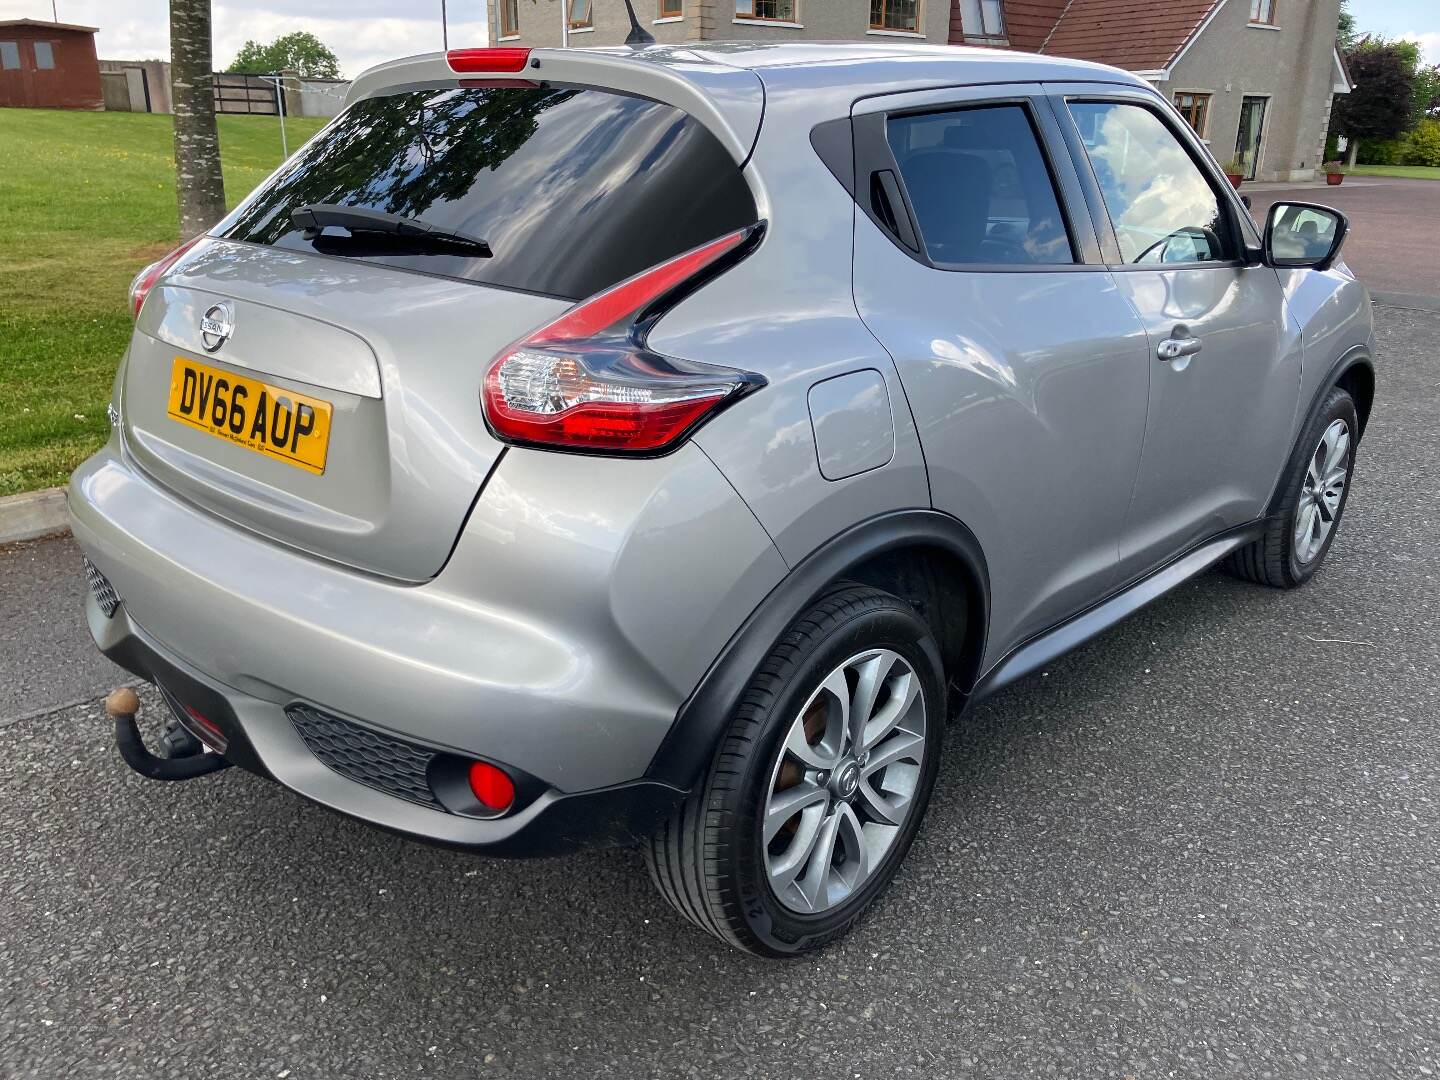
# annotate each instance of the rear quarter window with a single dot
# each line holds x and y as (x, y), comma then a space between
(574, 188)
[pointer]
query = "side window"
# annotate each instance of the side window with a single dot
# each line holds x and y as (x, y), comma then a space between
(1162, 207)
(9, 55)
(44, 56)
(980, 186)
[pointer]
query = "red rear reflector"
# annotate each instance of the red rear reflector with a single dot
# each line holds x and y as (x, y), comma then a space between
(490, 785)
(587, 381)
(206, 730)
(506, 60)
(146, 279)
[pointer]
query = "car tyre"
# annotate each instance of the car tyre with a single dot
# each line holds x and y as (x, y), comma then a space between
(724, 859)
(1316, 489)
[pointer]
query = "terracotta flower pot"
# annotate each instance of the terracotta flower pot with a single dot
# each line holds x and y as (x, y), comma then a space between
(1335, 179)
(1235, 178)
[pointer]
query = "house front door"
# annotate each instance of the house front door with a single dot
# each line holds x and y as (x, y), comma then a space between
(1252, 127)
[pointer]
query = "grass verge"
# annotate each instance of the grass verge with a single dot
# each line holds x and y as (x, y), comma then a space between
(86, 199)
(1405, 172)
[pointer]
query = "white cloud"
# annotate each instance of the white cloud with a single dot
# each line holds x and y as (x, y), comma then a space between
(1429, 45)
(362, 32)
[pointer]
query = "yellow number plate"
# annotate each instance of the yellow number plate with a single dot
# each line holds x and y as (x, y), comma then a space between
(270, 420)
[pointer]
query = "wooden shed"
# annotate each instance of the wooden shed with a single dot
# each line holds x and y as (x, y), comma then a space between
(48, 65)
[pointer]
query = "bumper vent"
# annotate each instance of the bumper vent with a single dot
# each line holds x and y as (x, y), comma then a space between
(367, 757)
(105, 594)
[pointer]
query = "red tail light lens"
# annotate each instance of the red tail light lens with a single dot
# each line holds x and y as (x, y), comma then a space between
(588, 382)
(492, 60)
(146, 279)
(491, 786)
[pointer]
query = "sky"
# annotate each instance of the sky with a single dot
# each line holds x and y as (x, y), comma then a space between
(361, 32)
(365, 32)
(1418, 20)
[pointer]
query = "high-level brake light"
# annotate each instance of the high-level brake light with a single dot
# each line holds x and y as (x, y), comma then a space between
(502, 60)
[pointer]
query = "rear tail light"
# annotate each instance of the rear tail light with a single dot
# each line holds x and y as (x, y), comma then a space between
(587, 381)
(146, 279)
(491, 60)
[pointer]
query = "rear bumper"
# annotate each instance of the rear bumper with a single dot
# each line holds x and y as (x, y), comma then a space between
(258, 732)
(572, 684)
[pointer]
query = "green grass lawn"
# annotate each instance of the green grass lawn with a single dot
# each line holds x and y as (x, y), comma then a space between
(86, 199)
(1405, 172)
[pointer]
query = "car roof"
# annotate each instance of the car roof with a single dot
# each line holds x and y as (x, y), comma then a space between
(856, 61)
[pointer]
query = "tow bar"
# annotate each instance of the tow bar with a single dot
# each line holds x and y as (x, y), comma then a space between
(188, 756)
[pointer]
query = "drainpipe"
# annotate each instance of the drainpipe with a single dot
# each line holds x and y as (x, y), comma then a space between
(564, 24)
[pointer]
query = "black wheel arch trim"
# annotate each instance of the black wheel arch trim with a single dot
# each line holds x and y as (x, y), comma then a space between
(1357, 356)
(686, 752)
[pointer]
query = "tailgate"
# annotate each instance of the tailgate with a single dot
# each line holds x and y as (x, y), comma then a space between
(398, 357)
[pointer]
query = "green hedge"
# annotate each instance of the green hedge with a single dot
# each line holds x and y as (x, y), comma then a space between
(1418, 147)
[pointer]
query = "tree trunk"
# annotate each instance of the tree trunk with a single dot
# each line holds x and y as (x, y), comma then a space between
(199, 186)
(1354, 150)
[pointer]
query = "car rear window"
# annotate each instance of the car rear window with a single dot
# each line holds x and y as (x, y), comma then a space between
(573, 188)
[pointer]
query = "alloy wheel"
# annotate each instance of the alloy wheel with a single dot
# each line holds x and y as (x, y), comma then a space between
(1322, 491)
(844, 782)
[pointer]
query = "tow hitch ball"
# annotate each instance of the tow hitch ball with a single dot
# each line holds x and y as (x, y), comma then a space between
(186, 757)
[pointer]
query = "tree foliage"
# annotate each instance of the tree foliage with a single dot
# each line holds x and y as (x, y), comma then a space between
(1381, 105)
(1425, 144)
(301, 51)
(1345, 32)
(1427, 92)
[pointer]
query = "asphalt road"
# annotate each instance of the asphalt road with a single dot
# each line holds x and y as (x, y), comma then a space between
(1207, 844)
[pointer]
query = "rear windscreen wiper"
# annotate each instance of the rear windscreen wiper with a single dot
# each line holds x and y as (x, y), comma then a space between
(315, 217)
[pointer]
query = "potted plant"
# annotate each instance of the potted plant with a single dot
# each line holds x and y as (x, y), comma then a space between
(1235, 171)
(1334, 173)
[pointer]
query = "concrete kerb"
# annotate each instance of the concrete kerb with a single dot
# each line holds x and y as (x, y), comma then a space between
(33, 514)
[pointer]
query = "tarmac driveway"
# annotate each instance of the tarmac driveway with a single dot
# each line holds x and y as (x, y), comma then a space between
(1394, 242)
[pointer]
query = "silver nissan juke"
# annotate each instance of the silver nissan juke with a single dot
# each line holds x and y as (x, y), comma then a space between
(661, 444)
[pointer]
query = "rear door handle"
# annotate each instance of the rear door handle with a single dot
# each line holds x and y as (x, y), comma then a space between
(1179, 343)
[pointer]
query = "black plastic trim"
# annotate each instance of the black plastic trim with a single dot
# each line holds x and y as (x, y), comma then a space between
(834, 146)
(687, 750)
(1355, 356)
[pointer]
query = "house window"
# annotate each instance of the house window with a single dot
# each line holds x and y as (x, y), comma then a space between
(1262, 11)
(1195, 108)
(509, 18)
(579, 14)
(766, 10)
(895, 15)
(982, 18)
(672, 9)
(44, 56)
(9, 55)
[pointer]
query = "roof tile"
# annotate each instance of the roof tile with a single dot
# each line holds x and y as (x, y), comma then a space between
(1141, 35)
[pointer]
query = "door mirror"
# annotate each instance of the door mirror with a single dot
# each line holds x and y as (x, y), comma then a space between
(1304, 236)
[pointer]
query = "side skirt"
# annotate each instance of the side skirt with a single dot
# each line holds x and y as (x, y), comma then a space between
(1048, 646)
